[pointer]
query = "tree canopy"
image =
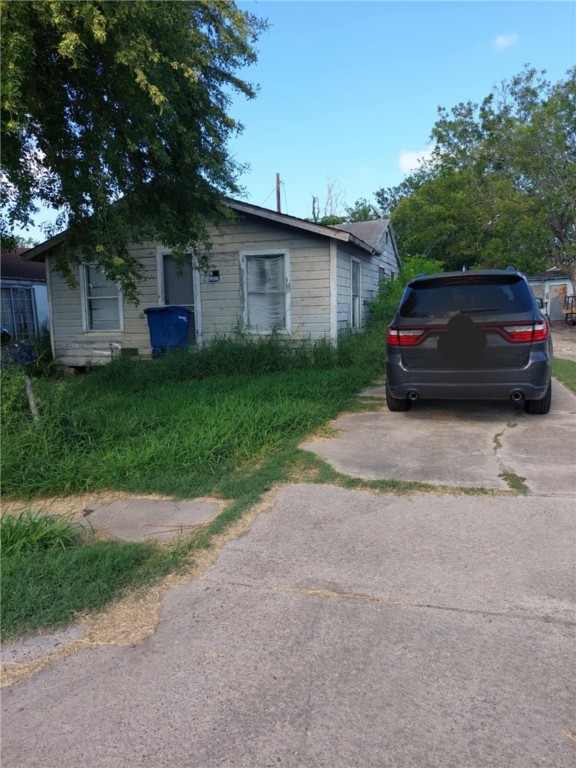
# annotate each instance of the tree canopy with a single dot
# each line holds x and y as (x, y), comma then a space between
(116, 114)
(500, 186)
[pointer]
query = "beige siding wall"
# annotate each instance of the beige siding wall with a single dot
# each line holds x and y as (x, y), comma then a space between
(220, 306)
(221, 303)
(368, 284)
(75, 347)
(388, 260)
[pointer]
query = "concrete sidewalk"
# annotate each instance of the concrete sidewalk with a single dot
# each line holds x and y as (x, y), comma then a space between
(350, 628)
(345, 629)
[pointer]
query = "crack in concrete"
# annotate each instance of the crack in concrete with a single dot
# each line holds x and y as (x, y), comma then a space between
(514, 481)
(366, 598)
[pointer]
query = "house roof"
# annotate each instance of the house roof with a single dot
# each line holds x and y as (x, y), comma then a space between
(337, 233)
(15, 266)
(551, 274)
(352, 236)
(370, 232)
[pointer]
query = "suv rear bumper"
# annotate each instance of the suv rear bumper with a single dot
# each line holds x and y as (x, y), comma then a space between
(530, 383)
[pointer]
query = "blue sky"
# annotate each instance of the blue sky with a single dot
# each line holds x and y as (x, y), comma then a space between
(348, 91)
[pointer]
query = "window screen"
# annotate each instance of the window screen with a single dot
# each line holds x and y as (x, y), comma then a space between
(178, 282)
(19, 313)
(102, 301)
(266, 292)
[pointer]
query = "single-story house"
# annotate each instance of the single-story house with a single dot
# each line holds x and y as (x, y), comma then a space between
(24, 295)
(268, 272)
(554, 287)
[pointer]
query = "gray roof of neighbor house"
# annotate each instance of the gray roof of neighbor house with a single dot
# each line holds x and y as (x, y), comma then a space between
(14, 266)
(370, 232)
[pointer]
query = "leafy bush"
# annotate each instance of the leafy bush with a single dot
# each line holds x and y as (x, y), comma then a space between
(382, 309)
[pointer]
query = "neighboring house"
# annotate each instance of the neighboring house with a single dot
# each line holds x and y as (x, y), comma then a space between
(24, 297)
(269, 272)
(554, 287)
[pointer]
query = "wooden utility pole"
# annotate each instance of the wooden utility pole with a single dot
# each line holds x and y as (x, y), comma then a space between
(278, 206)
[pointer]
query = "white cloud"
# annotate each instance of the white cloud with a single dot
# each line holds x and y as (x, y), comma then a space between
(501, 42)
(410, 161)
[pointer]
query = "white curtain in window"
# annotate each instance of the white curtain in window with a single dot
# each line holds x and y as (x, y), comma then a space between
(266, 299)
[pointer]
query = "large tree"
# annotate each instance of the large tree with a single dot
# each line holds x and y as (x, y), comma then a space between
(500, 187)
(116, 114)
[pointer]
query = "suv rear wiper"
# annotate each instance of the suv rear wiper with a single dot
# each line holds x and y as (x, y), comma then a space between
(479, 309)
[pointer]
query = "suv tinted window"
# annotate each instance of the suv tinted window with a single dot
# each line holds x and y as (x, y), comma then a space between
(490, 293)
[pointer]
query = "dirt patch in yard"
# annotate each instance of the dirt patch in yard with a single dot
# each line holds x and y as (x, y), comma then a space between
(564, 341)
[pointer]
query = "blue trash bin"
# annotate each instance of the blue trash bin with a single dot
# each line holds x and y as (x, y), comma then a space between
(168, 328)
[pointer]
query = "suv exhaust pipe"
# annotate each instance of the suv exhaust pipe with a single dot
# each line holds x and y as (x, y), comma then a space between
(412, 396)
(517, 396)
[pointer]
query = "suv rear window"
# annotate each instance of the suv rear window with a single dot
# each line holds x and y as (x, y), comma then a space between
(440, 296)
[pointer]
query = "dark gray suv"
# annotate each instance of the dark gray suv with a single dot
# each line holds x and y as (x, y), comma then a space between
(475, 335)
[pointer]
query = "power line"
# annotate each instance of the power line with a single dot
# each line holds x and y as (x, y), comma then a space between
(271, 193)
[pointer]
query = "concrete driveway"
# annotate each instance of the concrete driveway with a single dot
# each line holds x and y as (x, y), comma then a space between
(473, 445)
(350, 628)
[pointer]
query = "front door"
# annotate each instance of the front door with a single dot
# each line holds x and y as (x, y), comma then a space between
(179, 289)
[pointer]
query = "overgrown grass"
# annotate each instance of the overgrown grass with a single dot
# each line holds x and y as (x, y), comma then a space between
(52, 570)
(49, 588)
(36, 532)
(177, 437)
(565, 371)
(224, 421)
(181, 424)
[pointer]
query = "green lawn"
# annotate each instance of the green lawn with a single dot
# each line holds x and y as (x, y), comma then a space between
(565, 371)
(225, 422)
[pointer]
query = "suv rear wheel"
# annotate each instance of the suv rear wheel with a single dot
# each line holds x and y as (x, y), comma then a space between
(540, 406)
(395, 404)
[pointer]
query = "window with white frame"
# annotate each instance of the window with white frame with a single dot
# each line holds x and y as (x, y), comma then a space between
(19, 312)
(355, 302)
(266, 291)
(102, 301)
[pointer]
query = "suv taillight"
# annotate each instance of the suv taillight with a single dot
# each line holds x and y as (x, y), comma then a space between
(405, 337)
(516, 333)
(527, 332)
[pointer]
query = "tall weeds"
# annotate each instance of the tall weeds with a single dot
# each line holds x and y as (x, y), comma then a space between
(178, 424)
